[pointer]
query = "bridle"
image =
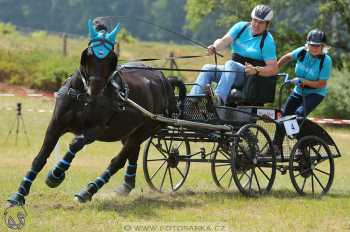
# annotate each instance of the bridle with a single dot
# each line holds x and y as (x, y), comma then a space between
(92, 50)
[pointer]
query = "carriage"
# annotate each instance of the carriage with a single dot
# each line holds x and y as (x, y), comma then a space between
(237, 143)
(96, 105)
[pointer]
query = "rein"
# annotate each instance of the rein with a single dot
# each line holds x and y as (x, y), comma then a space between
(167, 58)
(179, 69)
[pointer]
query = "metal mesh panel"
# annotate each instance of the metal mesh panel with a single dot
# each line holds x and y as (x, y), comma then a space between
(199, 109)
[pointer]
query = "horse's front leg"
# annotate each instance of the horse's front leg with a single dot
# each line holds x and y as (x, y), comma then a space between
(52, 135)
(56, 176)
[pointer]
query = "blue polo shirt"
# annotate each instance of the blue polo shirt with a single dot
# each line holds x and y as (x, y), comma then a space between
(248, 45)
(309, 69)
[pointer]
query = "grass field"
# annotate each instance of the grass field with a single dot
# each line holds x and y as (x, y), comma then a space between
(197, 202)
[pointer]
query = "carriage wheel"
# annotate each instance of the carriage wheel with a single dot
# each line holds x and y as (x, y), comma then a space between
(221, 167)
(163, 170)
(311, 166)
(253, 161)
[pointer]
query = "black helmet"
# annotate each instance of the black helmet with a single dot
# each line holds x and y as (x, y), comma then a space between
(100, 24)
(316, 36)
(262, 13)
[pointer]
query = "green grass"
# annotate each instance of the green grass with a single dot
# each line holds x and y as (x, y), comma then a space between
(198, 201)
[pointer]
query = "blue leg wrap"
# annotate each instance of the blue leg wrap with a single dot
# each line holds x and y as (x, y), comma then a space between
(94, 186)
(28, 179)
(130, 174)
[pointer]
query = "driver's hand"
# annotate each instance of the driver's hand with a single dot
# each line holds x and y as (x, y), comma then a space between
(249, 69)
(297, 81)
(211, 49)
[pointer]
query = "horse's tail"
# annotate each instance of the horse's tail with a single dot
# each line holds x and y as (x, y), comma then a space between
(179, 84)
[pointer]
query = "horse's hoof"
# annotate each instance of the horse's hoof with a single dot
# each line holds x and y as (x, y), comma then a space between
(53, 181)
(123, 190)
(83, 196)
(16, 200)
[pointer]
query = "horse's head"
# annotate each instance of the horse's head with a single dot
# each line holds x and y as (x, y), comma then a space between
(98, 61)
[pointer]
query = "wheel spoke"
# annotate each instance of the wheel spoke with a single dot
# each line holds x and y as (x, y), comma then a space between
(265, 146)
(321, 161)
(256, 134)
(302, 188)
(170, 144)
(152, 160)
(250, 181)
(326, 173)
(267, 177)
(312, 185)
(171, 180)
(177, 148)
(257, 181)
(166, 146)
(224, 154)
(318, 182)
(229, 183)
(159, 149)
(180, 172)
(224, 174)
(244, 173)
(222, 165)
(161, 185)
(300, 173)
(319, 148)
(158, 170)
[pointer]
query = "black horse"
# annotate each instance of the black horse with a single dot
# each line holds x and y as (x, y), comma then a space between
(89, 104)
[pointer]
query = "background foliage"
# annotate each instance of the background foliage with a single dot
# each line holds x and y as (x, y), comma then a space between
(36, 58)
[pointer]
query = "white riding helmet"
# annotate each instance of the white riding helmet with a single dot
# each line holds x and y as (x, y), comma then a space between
(262, 13)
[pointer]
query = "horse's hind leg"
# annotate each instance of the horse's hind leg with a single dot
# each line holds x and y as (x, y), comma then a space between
(116, 163)
(129, 177)
(56, 176)
(52, 135)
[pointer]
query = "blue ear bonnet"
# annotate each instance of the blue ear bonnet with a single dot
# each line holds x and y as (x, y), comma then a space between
(102, 43)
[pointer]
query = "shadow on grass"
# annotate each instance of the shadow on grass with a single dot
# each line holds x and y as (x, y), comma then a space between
(152, 205)
(142, 207)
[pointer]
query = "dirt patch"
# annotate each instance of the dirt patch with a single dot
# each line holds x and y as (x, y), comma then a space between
(22, 90)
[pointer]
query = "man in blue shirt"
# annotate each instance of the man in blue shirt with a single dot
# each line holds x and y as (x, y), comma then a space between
(312, 70)
(254, 54)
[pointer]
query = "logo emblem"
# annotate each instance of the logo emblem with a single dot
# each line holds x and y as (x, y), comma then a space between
(15, 217)
(101, 52)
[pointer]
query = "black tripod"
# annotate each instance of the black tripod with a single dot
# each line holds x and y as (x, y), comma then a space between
(18, 122)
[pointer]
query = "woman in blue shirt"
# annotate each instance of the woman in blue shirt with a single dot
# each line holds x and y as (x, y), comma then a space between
(253, 54)
(312, 70)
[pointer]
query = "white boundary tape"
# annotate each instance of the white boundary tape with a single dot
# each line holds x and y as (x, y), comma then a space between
(331, 121)
(28, 110)
(26, 95)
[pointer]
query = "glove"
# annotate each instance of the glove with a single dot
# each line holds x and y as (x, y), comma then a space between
(297, 81)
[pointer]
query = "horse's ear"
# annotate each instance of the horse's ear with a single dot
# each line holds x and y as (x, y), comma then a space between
(113, 34)
(83, 58)
(92, 30)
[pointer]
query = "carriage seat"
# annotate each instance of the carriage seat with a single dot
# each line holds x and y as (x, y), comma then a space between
(256, 92)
